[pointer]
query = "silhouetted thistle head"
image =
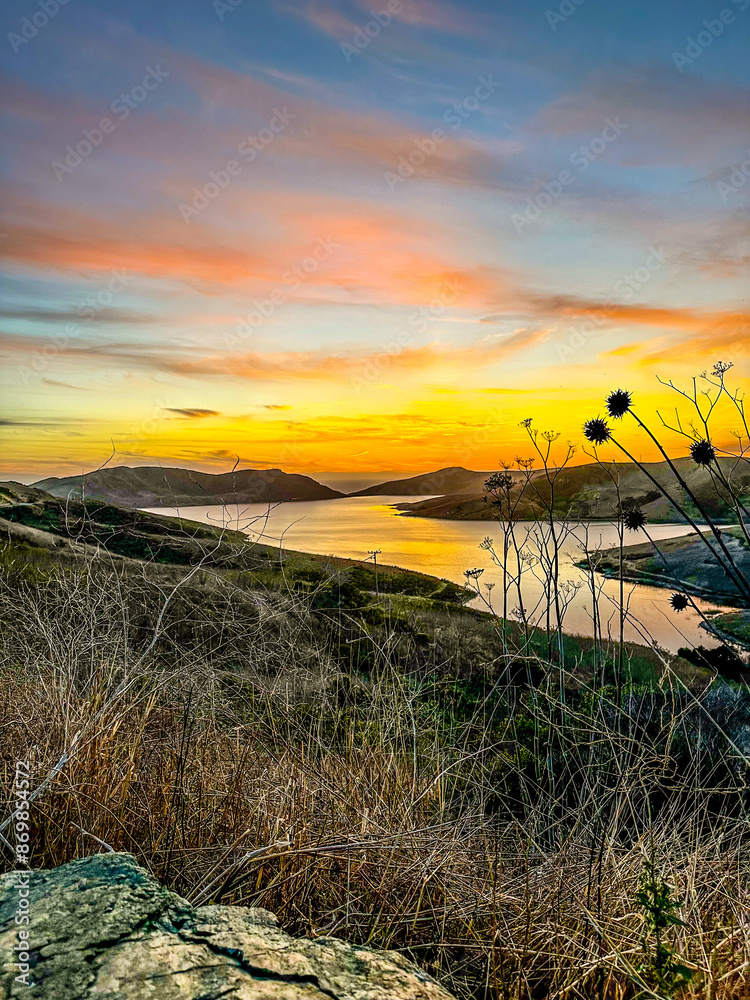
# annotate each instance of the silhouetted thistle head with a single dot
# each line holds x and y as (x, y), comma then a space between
(702, 452)
(618, 403)
(596, 431)
(633, 517)
(679, 602)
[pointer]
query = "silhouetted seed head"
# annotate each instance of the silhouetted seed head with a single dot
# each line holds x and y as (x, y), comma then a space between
(499, 481)
(596, 431)
(633, 517)
(679, 602)
(702, 452)
(618, 403)
(472, 574)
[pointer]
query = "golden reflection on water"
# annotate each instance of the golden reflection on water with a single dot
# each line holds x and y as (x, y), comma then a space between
(352, 526)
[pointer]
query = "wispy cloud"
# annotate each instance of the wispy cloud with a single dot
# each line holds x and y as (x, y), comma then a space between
(430, 15)
(192, 412)
(410, 270)
(665, 112)
(36, 314)
(319, 365)
(669, 317)
(58, 384)
(713, 344)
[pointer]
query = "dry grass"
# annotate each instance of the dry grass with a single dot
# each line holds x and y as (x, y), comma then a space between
(363, 814)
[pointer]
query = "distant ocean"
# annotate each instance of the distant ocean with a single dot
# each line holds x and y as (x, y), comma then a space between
(350, 482)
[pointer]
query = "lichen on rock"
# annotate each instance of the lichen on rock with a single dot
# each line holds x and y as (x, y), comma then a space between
(103, 928)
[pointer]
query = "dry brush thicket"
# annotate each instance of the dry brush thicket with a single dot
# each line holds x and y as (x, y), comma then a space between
(502, 847)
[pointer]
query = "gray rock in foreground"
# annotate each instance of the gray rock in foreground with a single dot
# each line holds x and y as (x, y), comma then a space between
(103, 928)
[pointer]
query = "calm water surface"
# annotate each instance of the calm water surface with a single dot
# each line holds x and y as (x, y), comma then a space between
(352, 526)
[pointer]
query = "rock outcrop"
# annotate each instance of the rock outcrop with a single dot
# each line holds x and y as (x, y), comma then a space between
(103, 928)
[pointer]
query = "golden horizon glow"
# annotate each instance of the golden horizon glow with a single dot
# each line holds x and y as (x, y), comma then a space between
(478, 431)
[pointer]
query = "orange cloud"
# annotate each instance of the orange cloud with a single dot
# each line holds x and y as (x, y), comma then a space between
(320, 366)
(354, 234)
(669, 317)
(88, 249)
(726, 344)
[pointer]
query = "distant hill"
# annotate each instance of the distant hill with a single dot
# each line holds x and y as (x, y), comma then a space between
(587, 491)
(15, 493)
(452, 480)
(157, 487)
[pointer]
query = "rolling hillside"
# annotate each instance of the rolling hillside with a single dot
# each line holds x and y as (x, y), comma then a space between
(451, 480)
(15, 493)
(156, 487)
(588, 491)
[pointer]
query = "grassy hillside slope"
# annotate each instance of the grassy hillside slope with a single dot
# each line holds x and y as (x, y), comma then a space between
(590, 491)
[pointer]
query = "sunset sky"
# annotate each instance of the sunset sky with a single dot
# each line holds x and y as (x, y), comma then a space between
(322, 239)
